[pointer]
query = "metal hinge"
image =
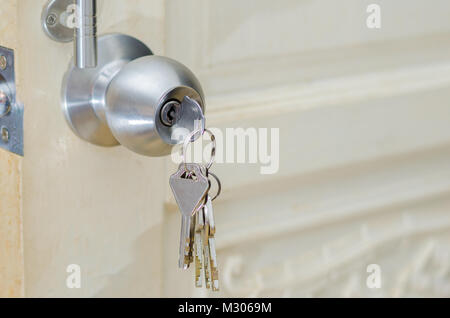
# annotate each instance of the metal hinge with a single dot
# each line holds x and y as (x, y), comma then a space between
(11, 112)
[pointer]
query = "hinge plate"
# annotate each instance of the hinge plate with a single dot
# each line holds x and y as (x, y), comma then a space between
(11, 123)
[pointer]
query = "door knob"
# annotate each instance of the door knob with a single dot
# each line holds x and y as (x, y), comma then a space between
(131, 98)
(116, 92)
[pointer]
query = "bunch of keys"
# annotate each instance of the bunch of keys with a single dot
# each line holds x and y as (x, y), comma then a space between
(191, 186)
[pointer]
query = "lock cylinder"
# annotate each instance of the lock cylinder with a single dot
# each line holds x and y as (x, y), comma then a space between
(170, 113)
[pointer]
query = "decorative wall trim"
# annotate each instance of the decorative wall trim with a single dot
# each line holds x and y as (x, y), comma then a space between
(331, 92)
(317, 200)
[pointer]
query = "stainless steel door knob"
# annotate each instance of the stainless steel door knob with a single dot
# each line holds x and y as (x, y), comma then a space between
(131, 97)
(144, 104)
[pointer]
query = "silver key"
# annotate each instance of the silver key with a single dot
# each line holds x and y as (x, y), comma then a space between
(206, 256)
(190, 117)
(189, 188)
(214, 266)
(209, 215)
(213, 271)
(198, 248)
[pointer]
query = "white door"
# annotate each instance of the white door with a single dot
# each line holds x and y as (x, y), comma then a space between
(362, 175)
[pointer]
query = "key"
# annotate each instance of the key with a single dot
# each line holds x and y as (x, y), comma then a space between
(191, 185)
(209, 216)
(207, 260)
(198, 250)
(214, 266)
(189, 257)
(210, 226)
(190, 117)
(210, 230)
(189, 188)
(198, 260)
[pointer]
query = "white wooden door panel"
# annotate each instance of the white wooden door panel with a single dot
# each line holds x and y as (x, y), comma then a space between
(364, 144)
(82, 204)
(242, 45)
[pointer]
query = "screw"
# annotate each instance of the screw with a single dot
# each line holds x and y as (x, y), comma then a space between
(5, 134)
(3, 62)
(51, 19)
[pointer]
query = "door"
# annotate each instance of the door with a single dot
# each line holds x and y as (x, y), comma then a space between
(353, 179)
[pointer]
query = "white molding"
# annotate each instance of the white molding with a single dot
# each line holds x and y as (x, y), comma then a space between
(303, 270)
(246, 214)
(332, 92)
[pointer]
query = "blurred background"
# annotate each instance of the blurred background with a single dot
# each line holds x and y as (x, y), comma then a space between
(361, 99)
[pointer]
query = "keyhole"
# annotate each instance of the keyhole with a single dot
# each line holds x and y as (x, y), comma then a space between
(169, 113)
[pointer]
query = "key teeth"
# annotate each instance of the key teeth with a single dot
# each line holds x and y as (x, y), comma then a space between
(198, 261)
(215, 286)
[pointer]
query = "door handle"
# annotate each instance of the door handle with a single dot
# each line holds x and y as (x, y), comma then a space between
(116, 92)
(85, 42)
(132, 98)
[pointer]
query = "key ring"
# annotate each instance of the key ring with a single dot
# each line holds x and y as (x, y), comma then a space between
(188, 140)
(204, 203)
(219, 191)
(219, 186)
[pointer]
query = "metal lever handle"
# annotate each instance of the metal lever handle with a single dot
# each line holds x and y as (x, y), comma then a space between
(85, 42)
